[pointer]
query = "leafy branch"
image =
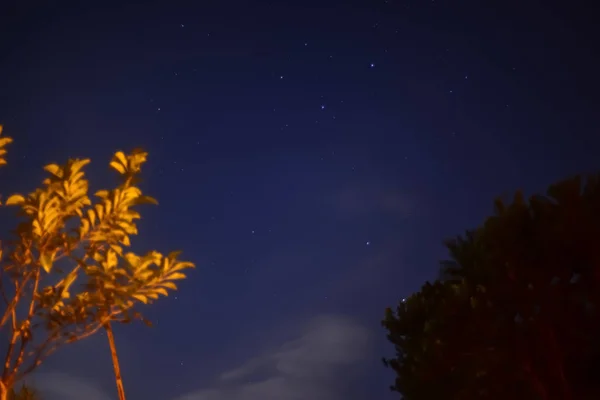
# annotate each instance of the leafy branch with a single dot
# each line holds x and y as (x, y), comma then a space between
(65, 274)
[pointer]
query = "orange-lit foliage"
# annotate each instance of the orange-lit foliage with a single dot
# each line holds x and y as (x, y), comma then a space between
(66, 274)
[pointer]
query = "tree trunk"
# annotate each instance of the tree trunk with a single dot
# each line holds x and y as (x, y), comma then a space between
(534, 380)
(3, 391)
(115, 361)
(556, 360)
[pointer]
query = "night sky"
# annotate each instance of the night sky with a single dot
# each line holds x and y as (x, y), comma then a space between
(309, 157)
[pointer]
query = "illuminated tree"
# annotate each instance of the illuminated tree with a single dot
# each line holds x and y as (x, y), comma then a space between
(65, 274)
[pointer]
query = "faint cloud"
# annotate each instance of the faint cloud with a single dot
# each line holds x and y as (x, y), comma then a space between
(369, 198)
(61, 386)
(370, 272)
(311, 366)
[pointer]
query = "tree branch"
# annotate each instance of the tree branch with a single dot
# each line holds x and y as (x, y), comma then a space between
(16, 298)
(25, 336)
(43, 351)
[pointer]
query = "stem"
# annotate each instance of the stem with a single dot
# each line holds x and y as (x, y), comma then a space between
(25, 337)
(15, 299)
(115, 360)
(3, 391)
(9, 355)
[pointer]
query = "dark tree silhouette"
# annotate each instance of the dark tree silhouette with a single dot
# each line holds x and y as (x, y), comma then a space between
(515, 311)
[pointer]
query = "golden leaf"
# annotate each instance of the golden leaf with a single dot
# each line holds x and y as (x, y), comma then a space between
(175, 276)
(107, 207)
(174, 254)
(91, 216)
(15, 199)
(75, 177)
(46, 259)
(78, 164)
(111, 259)
(169, 285)
(132, 258)
(99, 211)
(125, 241)
(102, 194)
(98, 257)
(140, 297)
(4, 141)
(119, 162)
(182, 265)
(84, 228)
(118, 167)
(146, 200)
(117, 249)
(54, 169)
(37, 229)
(120, 156)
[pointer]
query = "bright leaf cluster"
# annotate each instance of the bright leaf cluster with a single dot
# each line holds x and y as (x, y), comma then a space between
(67, 273)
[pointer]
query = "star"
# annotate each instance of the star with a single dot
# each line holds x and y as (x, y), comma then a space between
(372, 65)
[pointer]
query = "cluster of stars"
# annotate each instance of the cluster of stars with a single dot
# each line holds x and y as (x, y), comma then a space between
(281, 77)
(323, 106)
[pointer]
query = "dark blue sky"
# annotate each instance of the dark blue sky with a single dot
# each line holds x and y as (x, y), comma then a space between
(309, 157)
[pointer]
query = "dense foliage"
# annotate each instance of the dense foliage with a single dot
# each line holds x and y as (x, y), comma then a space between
(515, 312)
(65, 274)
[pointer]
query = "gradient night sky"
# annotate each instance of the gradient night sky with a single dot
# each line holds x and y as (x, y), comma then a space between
(310, 157)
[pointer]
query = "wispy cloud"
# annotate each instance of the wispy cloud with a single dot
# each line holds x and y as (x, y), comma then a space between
(312, 366)
(368, 198)
(308, 367)
(61, 386)
(368, 273)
